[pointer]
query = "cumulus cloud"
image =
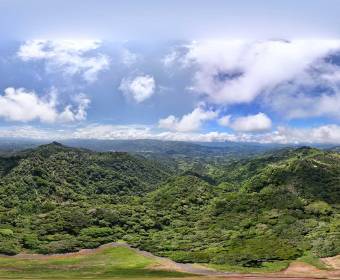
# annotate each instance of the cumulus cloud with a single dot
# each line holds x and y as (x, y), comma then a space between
(238, 71)
(252, 123)
(71, 114)
(70, 57)
(23, 106)
(139, 88)
(190, 122)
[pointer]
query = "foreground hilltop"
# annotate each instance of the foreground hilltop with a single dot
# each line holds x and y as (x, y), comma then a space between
(253, 212)
(61, 173)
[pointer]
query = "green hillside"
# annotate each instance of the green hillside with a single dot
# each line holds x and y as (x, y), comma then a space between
(60, 173)
(271, 208)
(250, 212)
(105, 263)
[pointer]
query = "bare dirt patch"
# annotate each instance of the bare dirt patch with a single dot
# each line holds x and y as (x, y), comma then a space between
(302, 269)
(333, 262)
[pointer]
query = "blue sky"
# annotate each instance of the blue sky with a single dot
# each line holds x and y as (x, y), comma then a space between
(258, 71)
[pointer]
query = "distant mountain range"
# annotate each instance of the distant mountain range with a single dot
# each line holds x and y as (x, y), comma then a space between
(147, 146)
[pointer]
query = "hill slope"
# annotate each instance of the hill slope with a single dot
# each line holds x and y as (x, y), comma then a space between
(271, 208)
(62, 173)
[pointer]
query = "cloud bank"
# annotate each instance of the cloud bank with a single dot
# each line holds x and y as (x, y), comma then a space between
(70, 57)
(21, 105)
(238, 71)
(327, 134)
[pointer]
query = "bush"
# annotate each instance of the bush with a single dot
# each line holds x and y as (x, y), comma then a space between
(326, 247)
(254, 252)
(190, 257)
(318, 208)
(59, 247)
(96, 232)
(30, 241)
(6, 232)
(92, 237)
(9, 248)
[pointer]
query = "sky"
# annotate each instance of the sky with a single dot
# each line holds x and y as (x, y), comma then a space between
(244, 71)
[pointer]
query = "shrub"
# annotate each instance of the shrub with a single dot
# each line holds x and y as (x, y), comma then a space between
(96, 232)
(6, 232)
(59, 247)
(9, 247)
(190, 257)
(318, 208)
(254, 252)
(326, 247)
(30, 241)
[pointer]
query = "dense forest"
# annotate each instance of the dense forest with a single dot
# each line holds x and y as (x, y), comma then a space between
(275, 205)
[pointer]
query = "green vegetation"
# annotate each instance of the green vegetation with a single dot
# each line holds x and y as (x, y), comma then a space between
(266, 267)
(314, 261)
(109, 263)
(257, 213)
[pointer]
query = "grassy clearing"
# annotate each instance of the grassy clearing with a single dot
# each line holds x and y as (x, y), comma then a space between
(109, 263)
(266, 267)
(314, 261)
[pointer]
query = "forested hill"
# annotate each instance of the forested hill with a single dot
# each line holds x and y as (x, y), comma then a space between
(269, 208)
(279, 206)
(59, 173)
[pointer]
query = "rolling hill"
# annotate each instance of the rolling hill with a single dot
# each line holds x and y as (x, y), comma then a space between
(251, 212)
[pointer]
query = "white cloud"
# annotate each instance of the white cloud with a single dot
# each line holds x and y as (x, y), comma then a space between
(21, 105)
(238, 71)
(170, 59)
(32, 132)
(304, 100)
(252, 123)
(224, 121)
(301, 105)
(327, 134)
(176, 57)
(24, 106)
(129, 58)
(189, 122)
(139, 88)
(79, 114)
(99, 131)
(71, 57)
